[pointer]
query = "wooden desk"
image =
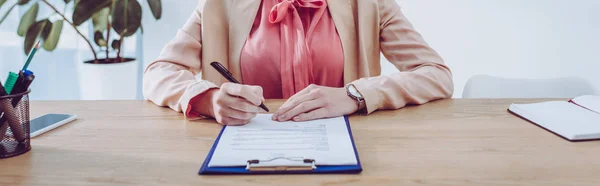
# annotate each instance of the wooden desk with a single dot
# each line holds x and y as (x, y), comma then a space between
(448, 142)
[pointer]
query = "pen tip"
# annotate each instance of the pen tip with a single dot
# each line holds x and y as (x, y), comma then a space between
(37, 45)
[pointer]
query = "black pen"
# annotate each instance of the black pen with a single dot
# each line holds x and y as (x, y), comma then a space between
(10, 115)
(23, 85)
(223, 71)
(20, 87)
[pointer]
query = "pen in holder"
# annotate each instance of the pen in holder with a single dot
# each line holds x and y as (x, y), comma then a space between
(14, 124)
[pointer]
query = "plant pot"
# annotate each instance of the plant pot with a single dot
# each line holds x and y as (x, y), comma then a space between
(108, 81)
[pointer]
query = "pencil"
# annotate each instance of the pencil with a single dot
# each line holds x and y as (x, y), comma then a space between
(31, 54)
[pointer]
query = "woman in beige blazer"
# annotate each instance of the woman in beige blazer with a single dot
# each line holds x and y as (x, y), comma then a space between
(218, 30)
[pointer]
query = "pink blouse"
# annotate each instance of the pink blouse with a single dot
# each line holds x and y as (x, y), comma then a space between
(292, 44)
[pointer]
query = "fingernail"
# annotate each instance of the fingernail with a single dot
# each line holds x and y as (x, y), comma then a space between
(274, 117)
(297, 118)
(281, 117)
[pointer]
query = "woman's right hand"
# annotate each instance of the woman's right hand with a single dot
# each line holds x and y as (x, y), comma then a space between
(232, 104)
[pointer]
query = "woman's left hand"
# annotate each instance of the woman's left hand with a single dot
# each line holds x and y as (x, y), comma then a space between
(315, 102)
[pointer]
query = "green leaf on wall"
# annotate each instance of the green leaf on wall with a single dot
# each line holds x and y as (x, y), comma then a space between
(156, 8)
(33, 34)
(126, 17)
(28, 19)
(85, 9)
(22, 2)
(51, 38)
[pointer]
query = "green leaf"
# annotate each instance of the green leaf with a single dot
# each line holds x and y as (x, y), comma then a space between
(99, 39)
(22, 2)
(51, 38)
(100, 19)
(127, 17)
(85, 9)
(2, 2)
(46, 30)
(33, 34)
(156, 8)
(115, 44)
(28, 19)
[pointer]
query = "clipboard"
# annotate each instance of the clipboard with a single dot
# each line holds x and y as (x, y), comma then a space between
(307, 166)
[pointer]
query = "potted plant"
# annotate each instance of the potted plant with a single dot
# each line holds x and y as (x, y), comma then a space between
(112, 20)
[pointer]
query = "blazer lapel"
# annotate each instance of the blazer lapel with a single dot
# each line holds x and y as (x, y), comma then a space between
(243, 13)
(343, 17)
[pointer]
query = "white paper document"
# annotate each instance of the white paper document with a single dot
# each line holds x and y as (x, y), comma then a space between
(327, 141)
(589, 102)
(579, 120)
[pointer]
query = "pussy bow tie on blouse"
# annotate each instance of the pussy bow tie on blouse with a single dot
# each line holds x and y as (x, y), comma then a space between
(296, 60)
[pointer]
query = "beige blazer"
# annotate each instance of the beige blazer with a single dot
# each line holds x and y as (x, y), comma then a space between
(218, 29)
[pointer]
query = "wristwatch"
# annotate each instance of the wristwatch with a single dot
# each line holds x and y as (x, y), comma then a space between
(355, 94)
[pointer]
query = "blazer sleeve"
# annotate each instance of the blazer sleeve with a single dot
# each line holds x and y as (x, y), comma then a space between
(423, 77)
(170, 80)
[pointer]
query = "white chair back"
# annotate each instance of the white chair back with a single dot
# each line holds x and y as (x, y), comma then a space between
(484, 86)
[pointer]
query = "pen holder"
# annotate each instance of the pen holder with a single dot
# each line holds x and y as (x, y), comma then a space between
(14, 125)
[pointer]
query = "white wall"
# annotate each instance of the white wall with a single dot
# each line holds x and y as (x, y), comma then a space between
(510, 38)
(158, 33)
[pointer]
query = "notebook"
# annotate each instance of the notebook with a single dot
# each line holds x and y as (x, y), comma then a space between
(575, 120)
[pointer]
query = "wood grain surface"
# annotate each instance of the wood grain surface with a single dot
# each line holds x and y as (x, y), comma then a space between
(446, 142)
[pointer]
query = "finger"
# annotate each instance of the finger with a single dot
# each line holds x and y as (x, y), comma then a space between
(251, 93)
(232, 121)
(241, 104)
(315, 114)
(303, 107)
(254, 94)
(237, 103)
(236, 114)
(302, 96)
(290, 104)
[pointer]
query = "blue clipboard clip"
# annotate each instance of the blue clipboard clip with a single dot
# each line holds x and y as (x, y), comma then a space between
(295, 164)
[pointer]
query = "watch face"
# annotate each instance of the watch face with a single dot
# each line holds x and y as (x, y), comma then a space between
(352, 90)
